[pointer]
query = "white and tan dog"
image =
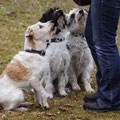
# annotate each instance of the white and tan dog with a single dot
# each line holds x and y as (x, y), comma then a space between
(27, 69)
(81, 60)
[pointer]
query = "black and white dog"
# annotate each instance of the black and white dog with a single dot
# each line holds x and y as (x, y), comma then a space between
(81, 60)
(57, 51)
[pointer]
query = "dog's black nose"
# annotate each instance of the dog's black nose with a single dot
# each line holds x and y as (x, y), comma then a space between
(81, 11)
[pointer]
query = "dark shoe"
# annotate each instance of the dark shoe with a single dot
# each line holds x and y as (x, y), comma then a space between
(91, 98)
(94, 106)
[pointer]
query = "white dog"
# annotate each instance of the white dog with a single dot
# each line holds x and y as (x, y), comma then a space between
(27, 70)
(57, 52)
(81, 60)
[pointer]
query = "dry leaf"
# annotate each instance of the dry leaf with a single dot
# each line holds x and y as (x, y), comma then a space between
(68, 105)
(11, 13)
(63, 109)
(50, 114)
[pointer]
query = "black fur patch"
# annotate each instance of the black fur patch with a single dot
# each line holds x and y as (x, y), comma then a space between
(53, 14)
(58, 30)
(48, 15)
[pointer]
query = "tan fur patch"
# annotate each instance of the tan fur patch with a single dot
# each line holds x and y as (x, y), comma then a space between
(32, 43)
(16, 71)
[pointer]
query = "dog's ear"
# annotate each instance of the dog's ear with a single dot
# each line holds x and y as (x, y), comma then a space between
(58, 14)
(48, 15)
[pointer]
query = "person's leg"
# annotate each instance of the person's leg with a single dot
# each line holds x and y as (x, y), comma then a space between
(104, 17)
(89, 38)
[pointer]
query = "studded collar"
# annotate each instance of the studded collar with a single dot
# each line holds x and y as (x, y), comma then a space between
(55, 40)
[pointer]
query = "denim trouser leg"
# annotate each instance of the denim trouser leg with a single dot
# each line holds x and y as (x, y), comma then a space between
(89, 37)
(101, 40)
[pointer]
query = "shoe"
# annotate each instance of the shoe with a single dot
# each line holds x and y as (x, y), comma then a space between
(94, 106)
(91, 98)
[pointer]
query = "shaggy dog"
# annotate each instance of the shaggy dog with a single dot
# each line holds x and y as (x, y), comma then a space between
(81, 63)
(57, 51)
(27, 70)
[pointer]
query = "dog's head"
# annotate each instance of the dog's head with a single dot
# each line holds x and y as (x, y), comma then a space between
(76, 20)
(40, 31)
(56, 15)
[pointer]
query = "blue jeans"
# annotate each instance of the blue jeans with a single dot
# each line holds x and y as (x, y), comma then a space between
(100, 33)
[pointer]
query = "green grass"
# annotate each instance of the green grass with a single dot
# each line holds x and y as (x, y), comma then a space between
(15, 16)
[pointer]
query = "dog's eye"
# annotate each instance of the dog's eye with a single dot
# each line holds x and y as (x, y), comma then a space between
(72, 16)
(40, 26)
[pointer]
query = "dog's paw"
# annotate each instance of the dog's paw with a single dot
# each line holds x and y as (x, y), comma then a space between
(63, 94)
(89, 89)
(67, 90)
(76, 88)
(50, 96)
(46, 106)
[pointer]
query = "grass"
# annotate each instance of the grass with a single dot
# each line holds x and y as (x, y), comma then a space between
(15, 16)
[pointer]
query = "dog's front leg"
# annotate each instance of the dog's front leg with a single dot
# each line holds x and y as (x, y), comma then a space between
(86, 80)
(40, 93)
(62, 84)
(48, 85)
(73, 79)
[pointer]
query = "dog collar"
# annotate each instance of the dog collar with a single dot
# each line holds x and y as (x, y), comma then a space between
(42, 52)
(76, 35)
(56, 40)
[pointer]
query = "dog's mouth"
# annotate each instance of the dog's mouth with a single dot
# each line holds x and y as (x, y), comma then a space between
(80, 17)
(52, 28)
(29, 33)
(29, 37)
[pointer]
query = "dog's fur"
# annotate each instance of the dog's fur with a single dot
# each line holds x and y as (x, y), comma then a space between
(81, 60)
(27, 70)
(57, 52)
